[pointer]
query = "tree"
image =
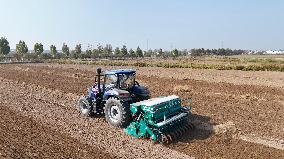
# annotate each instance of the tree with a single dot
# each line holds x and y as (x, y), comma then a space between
(38, 48)
(88, 53)
(21, 48)
(53, 51)
(4, 46)
(161, 53)
(117, 51)
(229, 52)
(107, 50)
(131, 53)
(167, 54)
(65, 49)
(139, 52)
(78, 49)
(175, 53)
(221, 51)
(95, 53)
(100, 50)
(124, 51)
(148, 53)
(195, 52)
(184, 52)
(238, 52)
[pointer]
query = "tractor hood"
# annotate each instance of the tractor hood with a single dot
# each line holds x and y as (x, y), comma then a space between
(122, 94)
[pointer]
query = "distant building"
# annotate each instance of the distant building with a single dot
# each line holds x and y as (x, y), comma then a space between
(274, 52)
(250, 52)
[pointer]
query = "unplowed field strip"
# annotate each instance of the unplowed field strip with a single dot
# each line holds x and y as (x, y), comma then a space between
(213, 103)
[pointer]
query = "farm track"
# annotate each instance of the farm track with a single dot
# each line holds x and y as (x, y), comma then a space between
(56, 89)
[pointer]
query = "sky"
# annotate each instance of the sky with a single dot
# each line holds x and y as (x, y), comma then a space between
(167, 24)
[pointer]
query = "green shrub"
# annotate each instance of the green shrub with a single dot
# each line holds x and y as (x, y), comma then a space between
(140, 64)
(239, 67)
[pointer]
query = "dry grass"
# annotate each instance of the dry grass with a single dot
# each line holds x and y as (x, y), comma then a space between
(258, 65)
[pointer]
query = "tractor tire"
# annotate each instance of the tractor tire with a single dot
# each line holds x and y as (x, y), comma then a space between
(84, 107)
(117, 114)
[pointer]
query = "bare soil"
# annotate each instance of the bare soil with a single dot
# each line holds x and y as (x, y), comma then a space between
(259, 78)
(21, 137)
(45, 96)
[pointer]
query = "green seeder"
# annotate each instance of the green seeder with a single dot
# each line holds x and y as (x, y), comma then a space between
(161, 119)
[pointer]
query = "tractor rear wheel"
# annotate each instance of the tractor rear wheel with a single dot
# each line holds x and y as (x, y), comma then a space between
(117, 114)
(84, 106)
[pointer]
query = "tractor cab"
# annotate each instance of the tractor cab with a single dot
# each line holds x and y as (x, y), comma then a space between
(120, 79)
(120, 84)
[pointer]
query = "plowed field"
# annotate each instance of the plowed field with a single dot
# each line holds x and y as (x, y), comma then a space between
(236, 116)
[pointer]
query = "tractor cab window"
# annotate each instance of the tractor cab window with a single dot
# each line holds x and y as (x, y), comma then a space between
(126, 80)
(111, 80)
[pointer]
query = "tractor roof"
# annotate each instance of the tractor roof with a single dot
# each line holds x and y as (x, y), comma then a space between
(120, 71)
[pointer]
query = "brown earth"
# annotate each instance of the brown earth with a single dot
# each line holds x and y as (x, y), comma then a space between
(259, 78)
(21, 137)
(254, 109)
(56, 110)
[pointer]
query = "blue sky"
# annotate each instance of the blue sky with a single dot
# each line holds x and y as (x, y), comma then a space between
(182, 24)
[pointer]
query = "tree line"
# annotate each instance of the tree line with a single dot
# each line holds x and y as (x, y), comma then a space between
(219, 52)
(106, 51)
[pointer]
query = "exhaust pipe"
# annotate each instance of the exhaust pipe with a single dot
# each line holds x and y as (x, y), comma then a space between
(99, 71)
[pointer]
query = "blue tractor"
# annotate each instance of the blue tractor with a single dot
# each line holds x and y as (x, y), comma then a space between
(112, 94)
(126, 104)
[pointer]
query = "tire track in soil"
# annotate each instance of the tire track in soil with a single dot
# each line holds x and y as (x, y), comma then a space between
(21, 137)
(193, 144)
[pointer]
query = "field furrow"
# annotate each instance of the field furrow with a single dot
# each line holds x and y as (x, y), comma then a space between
(44, 97)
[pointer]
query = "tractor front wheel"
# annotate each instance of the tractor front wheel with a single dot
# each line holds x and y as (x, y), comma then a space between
(84, 106)
(117, 114)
